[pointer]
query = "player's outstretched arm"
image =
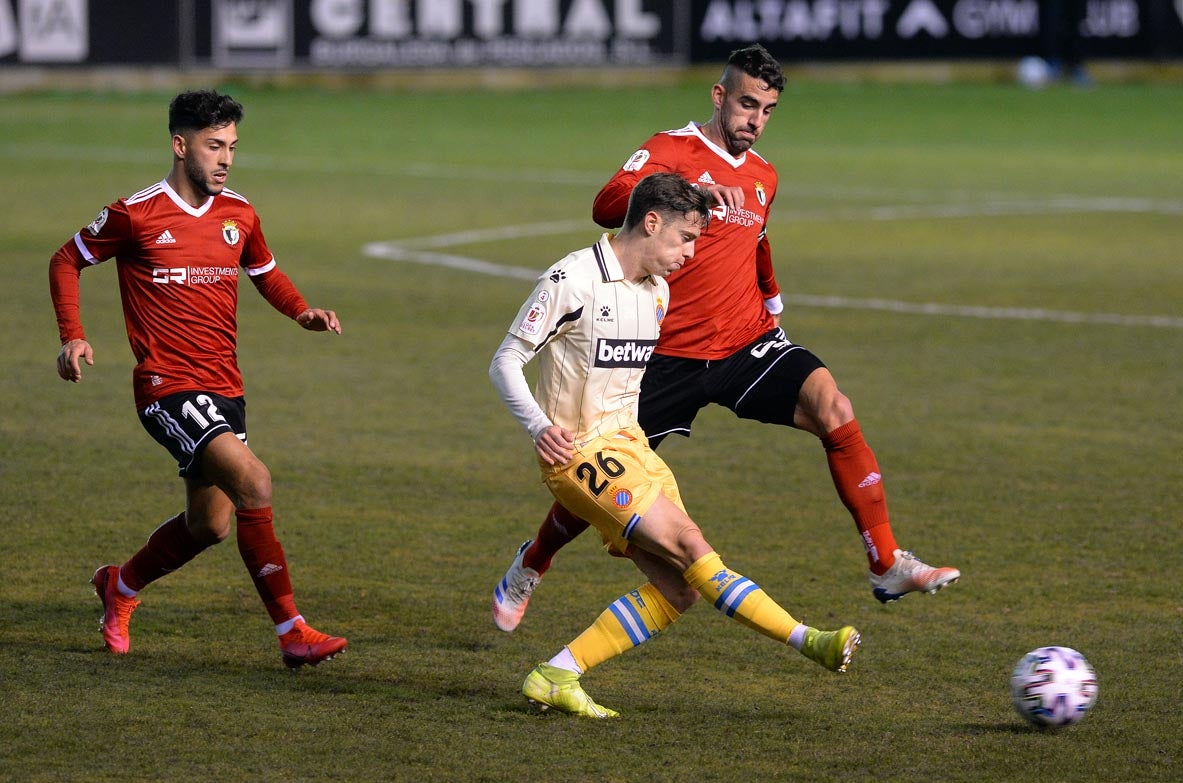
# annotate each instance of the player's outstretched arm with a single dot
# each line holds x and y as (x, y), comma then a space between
(316, 320)
(69, 367)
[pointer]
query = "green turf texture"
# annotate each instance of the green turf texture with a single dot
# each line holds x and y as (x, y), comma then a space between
(1041, 456)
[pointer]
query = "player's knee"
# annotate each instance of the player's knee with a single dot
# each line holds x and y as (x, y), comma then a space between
(689, 544)
(254, 487)
(682, 599)
(840, 411)
(209, 530)
(829, 411)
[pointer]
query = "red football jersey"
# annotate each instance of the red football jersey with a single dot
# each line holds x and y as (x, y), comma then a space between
(717, 300)
(178, 269)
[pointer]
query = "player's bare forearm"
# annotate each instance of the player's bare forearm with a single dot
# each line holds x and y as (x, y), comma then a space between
(316, 320)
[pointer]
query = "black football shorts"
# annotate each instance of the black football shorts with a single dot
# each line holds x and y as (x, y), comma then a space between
(185, 423)
(760, 382)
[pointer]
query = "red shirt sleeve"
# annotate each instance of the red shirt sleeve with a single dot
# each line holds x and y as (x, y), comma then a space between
(278, 289)
(275, 286)
(64, 268)
(611, 203)
(765, 274)
(103, 238)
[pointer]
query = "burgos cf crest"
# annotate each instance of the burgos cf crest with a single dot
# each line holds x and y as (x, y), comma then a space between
(760, 195)
(230, 232)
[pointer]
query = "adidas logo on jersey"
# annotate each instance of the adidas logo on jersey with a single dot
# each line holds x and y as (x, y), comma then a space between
(706, 179)
(166, 238)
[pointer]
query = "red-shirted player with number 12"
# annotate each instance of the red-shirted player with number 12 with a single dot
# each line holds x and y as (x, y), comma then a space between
(179, 246)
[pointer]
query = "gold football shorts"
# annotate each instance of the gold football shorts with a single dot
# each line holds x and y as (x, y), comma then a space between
(611, 482)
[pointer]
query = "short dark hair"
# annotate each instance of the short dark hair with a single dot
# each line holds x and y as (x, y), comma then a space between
(200, 109)
(667, 194)
(756, 62)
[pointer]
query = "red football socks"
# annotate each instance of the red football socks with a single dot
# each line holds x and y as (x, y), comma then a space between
(168, 548)
(860, 486)
(263, 555)
(556, 531)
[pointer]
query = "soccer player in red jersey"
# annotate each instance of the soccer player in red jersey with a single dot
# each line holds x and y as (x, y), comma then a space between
(723, 343)
(179, 247)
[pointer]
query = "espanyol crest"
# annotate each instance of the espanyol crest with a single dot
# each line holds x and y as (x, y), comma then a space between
(230, 232)
(763, 199)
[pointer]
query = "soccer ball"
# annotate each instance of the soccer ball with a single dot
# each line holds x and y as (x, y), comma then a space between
(1053, 686)
(1033, 72)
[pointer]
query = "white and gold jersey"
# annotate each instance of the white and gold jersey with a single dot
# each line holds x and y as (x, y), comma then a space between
(593, 332)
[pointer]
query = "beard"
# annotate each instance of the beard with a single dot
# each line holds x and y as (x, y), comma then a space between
(736, 145)
(199, 179)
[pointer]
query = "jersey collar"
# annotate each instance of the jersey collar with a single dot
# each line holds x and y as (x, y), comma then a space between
(606, 260)
(184, 205)
(609, 264)
(732, 161)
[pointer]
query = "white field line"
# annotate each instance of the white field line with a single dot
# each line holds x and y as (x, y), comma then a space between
(415, 250)
(952, 204)
(930, 204)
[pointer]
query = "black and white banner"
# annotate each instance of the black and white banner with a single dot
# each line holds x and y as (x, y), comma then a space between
(382, 34)
(369, 34)
(929, 29)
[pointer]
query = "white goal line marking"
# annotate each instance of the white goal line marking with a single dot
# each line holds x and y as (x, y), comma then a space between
(423, 250)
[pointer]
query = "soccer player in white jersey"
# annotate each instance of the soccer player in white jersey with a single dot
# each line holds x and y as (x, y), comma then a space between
(724, 345)
(592, 321)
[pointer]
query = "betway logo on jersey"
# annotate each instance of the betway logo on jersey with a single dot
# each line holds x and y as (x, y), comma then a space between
(193, 275)
(623, 353)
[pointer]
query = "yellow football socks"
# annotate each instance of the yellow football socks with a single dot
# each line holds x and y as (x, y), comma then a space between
(631, 620)
(737, 596)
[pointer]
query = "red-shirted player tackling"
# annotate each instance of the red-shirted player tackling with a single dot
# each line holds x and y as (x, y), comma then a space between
(179, 247)
(720, 306)
(721, 342)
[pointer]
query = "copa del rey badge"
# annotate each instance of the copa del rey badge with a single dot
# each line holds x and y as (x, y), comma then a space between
(230, 232)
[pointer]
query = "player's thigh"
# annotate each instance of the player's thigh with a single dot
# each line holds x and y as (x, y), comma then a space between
(611, 483)
(228, 463)
(187, 422)
(763, 381)
(667, 532)
(672, 394)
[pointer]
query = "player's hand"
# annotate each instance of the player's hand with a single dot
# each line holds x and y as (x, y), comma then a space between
(68, 366)
(730, 196)
(316, 320)
(555, 445)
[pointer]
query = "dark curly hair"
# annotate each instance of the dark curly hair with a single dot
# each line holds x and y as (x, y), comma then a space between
(756, 62)
(200, 109)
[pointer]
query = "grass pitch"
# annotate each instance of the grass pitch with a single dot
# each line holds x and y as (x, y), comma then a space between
(992, 274)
